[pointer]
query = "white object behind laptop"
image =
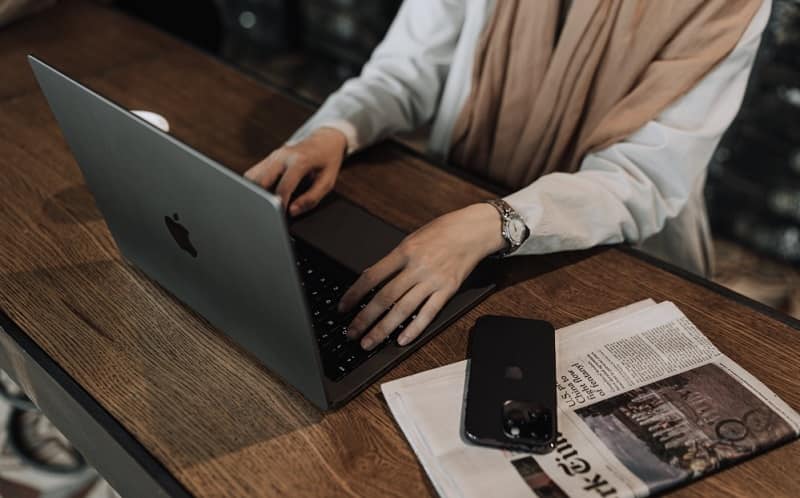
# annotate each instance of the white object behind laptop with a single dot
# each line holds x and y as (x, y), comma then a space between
(154, 119)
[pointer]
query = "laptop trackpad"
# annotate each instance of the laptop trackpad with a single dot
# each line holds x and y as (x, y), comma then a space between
(347, 233)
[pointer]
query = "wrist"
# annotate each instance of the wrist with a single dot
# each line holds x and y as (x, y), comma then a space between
(488, 225)
(332, 137)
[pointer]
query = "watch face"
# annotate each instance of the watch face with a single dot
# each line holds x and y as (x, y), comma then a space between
(517, 231)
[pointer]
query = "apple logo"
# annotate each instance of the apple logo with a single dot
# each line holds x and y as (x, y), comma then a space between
(180, 233)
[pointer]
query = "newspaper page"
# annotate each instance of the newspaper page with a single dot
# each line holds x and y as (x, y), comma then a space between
(646, 403)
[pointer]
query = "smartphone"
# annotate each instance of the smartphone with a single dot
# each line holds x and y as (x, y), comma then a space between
(510, 396)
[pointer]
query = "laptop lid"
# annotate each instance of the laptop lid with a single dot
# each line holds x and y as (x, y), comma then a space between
(213, 239)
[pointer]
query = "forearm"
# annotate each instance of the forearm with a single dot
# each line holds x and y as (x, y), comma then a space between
(578, 211)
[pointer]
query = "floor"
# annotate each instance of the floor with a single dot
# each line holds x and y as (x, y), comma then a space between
(36, 460)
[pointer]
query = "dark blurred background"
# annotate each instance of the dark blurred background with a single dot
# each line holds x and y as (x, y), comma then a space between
(754, 184)
(309, 47)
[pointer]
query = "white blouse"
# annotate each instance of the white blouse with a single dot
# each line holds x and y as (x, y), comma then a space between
(646, 190)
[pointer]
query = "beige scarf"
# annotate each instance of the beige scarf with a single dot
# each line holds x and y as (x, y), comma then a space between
(541, 101)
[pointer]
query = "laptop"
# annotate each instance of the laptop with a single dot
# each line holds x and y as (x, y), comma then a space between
(223, 246)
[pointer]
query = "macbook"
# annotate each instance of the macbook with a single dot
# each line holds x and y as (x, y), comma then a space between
(223, 246)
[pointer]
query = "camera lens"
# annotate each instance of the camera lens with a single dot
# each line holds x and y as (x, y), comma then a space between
(514, 419)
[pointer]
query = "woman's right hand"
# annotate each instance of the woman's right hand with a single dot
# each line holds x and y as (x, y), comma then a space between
(319, 156)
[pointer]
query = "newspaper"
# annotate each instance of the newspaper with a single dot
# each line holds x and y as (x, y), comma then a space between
(646, 403)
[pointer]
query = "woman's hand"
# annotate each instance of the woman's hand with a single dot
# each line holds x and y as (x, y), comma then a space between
(320, 155)
(425, 270)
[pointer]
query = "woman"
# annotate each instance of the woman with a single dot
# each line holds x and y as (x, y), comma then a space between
(602, 115)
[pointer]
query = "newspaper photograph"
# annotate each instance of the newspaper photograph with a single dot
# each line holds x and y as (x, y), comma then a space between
(685, 426)
(646, 403)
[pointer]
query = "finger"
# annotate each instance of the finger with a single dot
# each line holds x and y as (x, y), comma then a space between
(254, 172)
(323, 184)
(294, 173)
(404, 308)
(377, 306)
(425, 316)
(371, 278)
(274, 160)
(267, 172)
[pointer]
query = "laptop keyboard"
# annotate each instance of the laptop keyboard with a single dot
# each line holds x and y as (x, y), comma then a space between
(325, 281)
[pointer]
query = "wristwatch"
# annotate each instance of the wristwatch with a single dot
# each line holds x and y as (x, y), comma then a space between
(514, 229)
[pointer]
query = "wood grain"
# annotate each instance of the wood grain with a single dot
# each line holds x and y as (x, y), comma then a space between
(221, 423)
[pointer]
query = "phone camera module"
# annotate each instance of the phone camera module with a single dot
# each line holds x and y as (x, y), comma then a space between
(527, 421)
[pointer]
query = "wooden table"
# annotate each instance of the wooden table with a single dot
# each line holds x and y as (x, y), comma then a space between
(163, 404)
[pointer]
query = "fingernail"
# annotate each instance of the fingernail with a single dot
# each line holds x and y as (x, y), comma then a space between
(403, 340)
(367, 343)
(294, 209)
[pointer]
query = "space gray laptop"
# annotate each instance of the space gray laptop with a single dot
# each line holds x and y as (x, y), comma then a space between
(223, 246)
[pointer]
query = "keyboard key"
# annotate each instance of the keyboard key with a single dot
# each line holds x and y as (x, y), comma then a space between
(324, 282)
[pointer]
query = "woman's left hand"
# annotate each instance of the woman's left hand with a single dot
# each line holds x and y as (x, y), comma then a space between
(423, 273)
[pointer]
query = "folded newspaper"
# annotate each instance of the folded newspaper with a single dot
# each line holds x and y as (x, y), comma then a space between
(646, 403)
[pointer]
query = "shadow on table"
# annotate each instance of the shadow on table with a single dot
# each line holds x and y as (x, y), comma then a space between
(74, 204)
(178, 385)
(518, 269)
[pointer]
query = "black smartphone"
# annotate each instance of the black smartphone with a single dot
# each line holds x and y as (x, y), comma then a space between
(510, 397)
